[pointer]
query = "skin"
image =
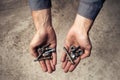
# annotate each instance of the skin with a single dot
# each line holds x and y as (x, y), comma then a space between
(44, 34)
(78, 35)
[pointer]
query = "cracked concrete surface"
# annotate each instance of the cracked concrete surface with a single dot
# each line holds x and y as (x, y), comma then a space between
(17, 30)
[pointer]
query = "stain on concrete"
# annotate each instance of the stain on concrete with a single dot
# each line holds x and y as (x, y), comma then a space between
(17, 30)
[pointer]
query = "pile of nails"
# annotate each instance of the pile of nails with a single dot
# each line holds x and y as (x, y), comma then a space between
(44, 52)
(73, 53)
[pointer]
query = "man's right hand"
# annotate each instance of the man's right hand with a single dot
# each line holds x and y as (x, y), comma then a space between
(45, 34)
(41, 38)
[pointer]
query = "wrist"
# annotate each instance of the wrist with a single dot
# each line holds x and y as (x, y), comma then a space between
(82, 24)
(42, 18)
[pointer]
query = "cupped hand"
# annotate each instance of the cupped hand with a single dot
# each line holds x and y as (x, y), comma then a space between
(42, 37)
(77, 37)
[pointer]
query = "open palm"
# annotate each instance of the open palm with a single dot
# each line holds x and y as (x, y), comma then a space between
(41, 38)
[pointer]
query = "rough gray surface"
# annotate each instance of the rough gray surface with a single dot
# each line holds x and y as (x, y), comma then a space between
(17, 30)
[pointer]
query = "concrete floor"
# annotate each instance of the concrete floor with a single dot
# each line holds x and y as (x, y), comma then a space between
(17, 30)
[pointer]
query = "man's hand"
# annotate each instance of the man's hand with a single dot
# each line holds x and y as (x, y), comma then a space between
(77, 36)
(41, 38)
(45, 34)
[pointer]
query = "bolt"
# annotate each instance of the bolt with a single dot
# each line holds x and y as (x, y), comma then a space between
(39, 56)
(75, 52)
(51, 50)
(48, 53)
(77, 48)
(41, 51)
(44, 58)
(72, 48)
(46, 46)
(73, 56)
(79, 53)
(68, 55)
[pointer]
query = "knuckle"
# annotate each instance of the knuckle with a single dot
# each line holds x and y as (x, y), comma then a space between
(50, 71)
(31, 45)
(44, 70)
(32, 54)
(87, 54)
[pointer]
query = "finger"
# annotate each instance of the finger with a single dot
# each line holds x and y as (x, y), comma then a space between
(54, 60)
(43, 65)
(67, 66)
(52, 66)
(34, 44)
(54, 54)
(72, 67)
(64, 64)
(63, 57)
(85, 54)
(49, 68)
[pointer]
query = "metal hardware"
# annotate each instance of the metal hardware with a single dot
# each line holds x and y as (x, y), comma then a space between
(44, 52)
(68, 54)
(74, 53)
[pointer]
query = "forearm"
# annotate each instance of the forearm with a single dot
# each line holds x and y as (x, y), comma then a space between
(41, 13)
(82, 24)
(42, 18)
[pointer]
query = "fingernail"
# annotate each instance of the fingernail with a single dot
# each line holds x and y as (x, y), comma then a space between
(44, 70)
(70, 70)
(53, 68)
(50, 71)
(65, 71)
